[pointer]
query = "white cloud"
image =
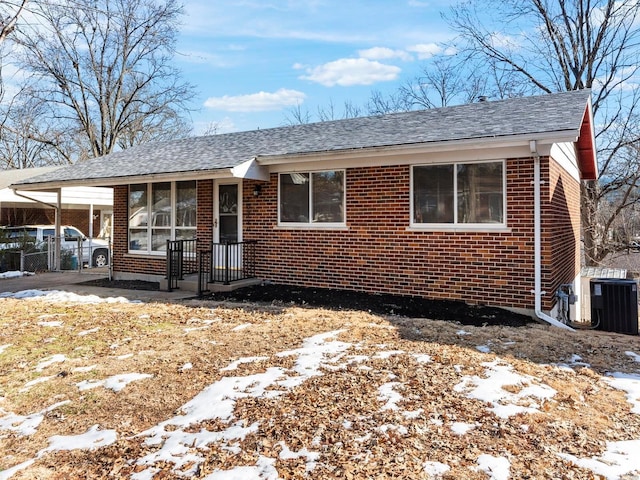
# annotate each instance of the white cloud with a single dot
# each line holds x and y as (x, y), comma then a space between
(425, 50)
(351, 71)
(384, 53)
(256, 102)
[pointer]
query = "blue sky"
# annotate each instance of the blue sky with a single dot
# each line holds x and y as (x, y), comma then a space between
(252, 61)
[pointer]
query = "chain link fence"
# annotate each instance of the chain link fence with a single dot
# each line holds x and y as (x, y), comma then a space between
(30, 258)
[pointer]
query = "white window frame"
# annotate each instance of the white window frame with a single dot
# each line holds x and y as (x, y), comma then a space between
(150, 227)
(311, 224)
(455, 225)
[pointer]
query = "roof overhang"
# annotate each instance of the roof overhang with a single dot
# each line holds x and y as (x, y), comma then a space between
(586, 146)
(124, 180)
(520, 142)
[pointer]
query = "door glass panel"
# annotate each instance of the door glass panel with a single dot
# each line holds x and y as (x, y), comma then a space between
(228, 213)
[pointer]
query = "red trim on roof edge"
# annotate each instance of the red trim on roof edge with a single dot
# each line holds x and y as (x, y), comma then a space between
(586, 145)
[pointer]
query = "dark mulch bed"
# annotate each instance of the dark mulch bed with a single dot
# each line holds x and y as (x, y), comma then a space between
(126, 284)
(348, 300)
(379, 304)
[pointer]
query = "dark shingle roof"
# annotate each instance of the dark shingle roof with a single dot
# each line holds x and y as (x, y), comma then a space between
(562, 112)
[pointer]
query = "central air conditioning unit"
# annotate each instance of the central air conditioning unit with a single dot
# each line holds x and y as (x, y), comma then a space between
(614, 305)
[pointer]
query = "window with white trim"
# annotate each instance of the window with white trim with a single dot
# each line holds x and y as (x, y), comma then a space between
(459, 194)
(311, 198)
(159, 212)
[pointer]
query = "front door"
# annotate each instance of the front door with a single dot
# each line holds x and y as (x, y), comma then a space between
(227, 229)
(227, 208)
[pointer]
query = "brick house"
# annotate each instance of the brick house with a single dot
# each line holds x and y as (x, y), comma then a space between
(478, 202)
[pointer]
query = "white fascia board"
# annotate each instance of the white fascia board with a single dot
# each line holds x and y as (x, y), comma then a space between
(478, 149)
(115, 181)
(413, 157)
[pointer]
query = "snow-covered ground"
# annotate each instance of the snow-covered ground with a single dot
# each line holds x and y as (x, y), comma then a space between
(176, 441)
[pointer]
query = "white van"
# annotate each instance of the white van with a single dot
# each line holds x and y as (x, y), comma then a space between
(94, 251)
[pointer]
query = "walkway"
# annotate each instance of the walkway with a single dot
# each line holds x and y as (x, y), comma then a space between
(72, 281)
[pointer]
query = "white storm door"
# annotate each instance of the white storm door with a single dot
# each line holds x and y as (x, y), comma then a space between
(227, 223)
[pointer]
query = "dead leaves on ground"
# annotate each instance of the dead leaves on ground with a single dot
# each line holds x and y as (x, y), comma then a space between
(340, 415)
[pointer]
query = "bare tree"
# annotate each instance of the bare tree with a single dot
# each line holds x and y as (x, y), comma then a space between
(443, 82)
(299, 116)
(542, 46)
(101, 73)
(21, 141)
(9, 14)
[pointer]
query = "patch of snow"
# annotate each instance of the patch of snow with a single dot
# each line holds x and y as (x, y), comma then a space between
(462, 332)
(573, 361)
(52, 323)
(56, 296)
(435, 468)
(629, 383)
(410, 415)
(26, 424)
(235, 364)
(4, 347)
(9, 472)
(288, 454)
(186, 366)
(422, 357)
(483, 348)
(460, 428)
(194, 329)
(504, 403)
(115, 382)
(264, 470)
(14, 274)
(91, 439)
(401, 429)
(242, 327)
(386, 392)
(124, 356)
(388, 354)
(620, 458)
(496, 467)
(314, 353)
(36, 381)
(87, 332)
(57, 358)
(84, 369)
(633, 355)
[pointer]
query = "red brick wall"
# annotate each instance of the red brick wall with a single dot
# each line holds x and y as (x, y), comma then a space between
(377, 253)
(561, 228)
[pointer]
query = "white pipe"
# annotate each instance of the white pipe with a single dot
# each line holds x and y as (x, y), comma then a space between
(537, 244)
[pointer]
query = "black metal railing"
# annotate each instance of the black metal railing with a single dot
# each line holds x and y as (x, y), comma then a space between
(181, 260)
(204, 267)
(232, 261)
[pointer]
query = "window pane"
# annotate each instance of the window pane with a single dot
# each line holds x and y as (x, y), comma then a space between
(161, 204)
(328, 195)
(138, 239)
(433, 194)
(185, 233)
(186, 204)
(294, 197)
(137, 205)
(159, 237)
(480, 193)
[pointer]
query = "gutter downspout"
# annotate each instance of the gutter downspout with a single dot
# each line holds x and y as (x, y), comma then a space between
(537, 226)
